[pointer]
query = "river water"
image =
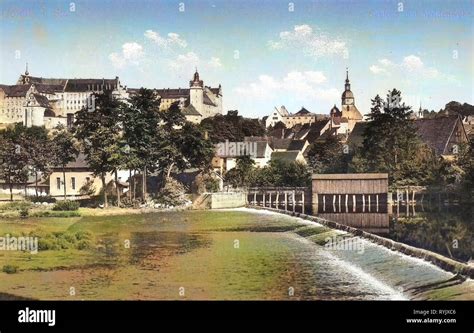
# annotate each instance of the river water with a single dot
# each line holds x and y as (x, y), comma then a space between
(240, 254)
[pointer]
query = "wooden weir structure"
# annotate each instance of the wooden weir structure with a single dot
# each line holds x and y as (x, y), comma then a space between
(296, 199)
(358, 200)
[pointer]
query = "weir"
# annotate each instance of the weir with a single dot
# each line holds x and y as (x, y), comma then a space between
(358, 200)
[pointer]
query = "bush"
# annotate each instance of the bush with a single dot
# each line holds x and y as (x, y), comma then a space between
(16, 205)
(83, 245)
(66, 205)
(173, 193)
(49, 213)
(24, 212)
(47, 198)
(80, 240)
(10, 269)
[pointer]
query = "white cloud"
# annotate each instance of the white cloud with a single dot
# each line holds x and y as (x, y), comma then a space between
(131, 53)
(305, 86)
(383, 66)
(410, 65)
(185, 61)
(215, 62)
(386, 62)
(314, 43)
(173, 39)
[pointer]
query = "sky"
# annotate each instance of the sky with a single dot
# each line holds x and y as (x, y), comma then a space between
(263, 53)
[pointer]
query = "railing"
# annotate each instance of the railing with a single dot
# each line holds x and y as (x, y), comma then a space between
(287, 198)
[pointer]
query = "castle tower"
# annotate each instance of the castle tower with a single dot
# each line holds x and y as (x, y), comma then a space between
(196, 93)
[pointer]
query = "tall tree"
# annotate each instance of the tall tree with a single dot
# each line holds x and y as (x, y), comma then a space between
(179, 144)
(328, 156)
(140, 119)
(40, 153)
(98, 129)
(391, 143)
(64, 150)
(232, 127)
(241, 175)
(13, 156)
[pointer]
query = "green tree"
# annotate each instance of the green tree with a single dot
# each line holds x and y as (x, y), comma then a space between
(328, 156)
(13, 156)
(180, 144)
(391, 143)
(99, 132)
(140, 118)
(241, 175)
(40, 152)
(232, 127)
(282, 173)
(64, 150)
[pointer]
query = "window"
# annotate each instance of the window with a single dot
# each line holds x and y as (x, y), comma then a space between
(58, 183)
(73, 183)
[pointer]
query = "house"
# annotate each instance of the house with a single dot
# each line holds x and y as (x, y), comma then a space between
(303, 116)
(356, 137)
(288, 145)
(30, 186)
(293, 149)
(289, 156)
(191, 114)
(80, 180)
(277, 116)
(442, 134)
(468, 122)
(257, 148)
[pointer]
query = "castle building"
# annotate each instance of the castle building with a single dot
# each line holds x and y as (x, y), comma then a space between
(37, 101)
(197, 102)
(303, 116)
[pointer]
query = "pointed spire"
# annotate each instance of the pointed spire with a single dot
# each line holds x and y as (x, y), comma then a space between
(26, 70)
(347, 85)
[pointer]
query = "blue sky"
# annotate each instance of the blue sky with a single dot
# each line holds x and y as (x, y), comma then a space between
(263, 53)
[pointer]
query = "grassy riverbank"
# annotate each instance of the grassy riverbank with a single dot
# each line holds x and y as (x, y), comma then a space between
(13, 210)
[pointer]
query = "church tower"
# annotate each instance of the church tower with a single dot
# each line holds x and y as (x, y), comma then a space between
(348, 108)
(196, 93)
(25, 78)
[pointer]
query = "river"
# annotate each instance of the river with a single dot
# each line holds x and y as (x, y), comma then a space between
(239, 254)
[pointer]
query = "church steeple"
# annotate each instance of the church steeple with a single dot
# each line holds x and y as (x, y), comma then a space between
(26, 70)
(347, 85)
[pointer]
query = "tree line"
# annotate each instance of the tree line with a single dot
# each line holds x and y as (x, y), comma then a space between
(114, 135)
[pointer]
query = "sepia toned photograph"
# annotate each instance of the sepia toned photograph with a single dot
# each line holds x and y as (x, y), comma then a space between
(301, 153)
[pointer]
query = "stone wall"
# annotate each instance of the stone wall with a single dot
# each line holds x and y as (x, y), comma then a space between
(228, 200)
